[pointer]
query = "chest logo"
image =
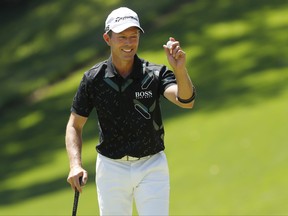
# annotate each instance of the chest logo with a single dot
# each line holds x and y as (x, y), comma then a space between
(143, 94)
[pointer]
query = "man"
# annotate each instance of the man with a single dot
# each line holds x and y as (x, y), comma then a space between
(125, 91)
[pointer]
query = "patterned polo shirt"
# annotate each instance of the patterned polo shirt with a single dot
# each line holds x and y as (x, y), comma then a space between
(128, 109)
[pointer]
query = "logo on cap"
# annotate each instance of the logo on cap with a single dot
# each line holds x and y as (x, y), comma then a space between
(118, 19)
(121, 19)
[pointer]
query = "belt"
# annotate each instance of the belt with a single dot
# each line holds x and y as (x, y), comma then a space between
(129, 158)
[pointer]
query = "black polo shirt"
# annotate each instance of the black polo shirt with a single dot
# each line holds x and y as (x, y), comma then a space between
(128, 110)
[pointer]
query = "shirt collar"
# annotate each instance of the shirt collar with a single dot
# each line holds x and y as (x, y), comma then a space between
(110, 71)
(136, 71)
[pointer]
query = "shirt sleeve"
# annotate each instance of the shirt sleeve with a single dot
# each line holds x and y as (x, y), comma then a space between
(167, 78)
(82, 103)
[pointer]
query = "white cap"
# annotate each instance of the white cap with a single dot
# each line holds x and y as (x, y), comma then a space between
(121, 19)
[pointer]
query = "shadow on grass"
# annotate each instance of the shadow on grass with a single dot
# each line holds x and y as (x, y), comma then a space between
(38, 189)
(233, 46)
(29, 144)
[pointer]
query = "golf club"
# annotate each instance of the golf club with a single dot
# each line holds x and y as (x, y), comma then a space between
(76, 198)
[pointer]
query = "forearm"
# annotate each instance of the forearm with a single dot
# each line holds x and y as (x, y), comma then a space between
(74, 146)
(185, 86)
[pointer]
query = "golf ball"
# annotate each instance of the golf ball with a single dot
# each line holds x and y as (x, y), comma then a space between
(169, 44)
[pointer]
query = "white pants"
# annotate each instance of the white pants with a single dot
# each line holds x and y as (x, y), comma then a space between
(146, 180)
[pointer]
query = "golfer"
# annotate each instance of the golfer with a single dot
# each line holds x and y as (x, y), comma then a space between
(125, 90)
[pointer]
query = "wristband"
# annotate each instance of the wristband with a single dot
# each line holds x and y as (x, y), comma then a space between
(185, 101)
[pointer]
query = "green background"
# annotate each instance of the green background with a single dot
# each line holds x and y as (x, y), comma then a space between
(227, 156)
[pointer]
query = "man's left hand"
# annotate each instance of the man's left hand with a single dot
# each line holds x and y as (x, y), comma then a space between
(175, 55)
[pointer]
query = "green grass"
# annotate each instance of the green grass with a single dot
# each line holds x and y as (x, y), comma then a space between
(222, 163)
(227, 156)
(232, 161)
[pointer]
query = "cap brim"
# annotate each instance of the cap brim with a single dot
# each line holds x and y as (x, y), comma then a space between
(123, 27)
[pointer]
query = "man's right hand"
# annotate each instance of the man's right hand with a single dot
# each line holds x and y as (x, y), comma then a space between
(74, 176)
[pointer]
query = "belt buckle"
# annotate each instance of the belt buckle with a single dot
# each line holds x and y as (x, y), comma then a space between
(130, 158)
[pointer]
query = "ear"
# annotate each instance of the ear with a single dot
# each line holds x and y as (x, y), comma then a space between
(106, 38)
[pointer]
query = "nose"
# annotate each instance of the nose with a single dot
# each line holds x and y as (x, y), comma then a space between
(128, 41)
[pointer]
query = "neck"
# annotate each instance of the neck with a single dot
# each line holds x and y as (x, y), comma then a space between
(124, 68)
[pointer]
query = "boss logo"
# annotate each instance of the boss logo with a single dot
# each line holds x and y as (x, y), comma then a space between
(143, 94)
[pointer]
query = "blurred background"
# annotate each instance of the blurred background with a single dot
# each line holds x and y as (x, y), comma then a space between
(227, 156)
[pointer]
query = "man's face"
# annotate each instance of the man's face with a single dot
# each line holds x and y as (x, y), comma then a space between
(124, 45)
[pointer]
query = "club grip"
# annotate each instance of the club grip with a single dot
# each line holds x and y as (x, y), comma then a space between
(76, 198)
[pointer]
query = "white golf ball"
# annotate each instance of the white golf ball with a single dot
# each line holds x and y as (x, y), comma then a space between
(169, 44)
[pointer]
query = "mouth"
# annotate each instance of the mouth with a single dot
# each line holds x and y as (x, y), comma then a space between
(127, 50)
